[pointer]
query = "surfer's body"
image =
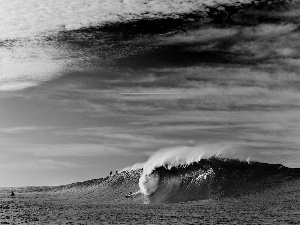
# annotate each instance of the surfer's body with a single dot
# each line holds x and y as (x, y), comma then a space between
(131, 194)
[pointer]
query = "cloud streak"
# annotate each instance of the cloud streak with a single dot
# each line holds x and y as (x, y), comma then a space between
(21, 18)
(28, 65)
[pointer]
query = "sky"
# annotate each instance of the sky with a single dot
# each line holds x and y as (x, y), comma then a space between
(89, 86)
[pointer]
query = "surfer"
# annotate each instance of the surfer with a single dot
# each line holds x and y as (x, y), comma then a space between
(12, 194)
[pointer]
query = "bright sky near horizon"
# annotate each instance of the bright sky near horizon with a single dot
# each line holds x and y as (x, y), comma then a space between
(76, 104)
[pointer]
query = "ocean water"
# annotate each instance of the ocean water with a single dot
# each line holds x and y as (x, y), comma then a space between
(133, 77)
(210, 191)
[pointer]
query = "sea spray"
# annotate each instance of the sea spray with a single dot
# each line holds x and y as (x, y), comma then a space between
(182, 155)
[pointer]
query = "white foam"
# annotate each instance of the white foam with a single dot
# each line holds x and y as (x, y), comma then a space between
(149, 183)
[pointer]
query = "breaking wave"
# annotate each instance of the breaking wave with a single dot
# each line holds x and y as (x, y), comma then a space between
(194, 173)
(208, 178)
(212, 178)
(174, 157)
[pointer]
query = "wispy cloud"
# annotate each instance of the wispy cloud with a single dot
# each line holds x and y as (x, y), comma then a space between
(19, 130)
(40, 164)
(204, 35)
(47, 150)
(26, 18)
(27, 65)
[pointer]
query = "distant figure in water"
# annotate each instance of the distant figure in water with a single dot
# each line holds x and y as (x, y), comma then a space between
(12, 194)
(110, 173)
(116, 172)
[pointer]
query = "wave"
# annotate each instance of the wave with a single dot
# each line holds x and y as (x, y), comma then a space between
(211, 178)
(183, 174)
(200, 172)
(214, 178)
(178, 156)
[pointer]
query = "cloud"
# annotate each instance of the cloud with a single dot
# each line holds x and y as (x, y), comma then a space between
(16, 86)
(249, 98)
(75, 149)
(268, 41)
(269, 30)
(131, 140)
(222, 87)
(23, 18)
(19, 130)
(40, 164)
(204, 35)
(31, 61)
(27, 66)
